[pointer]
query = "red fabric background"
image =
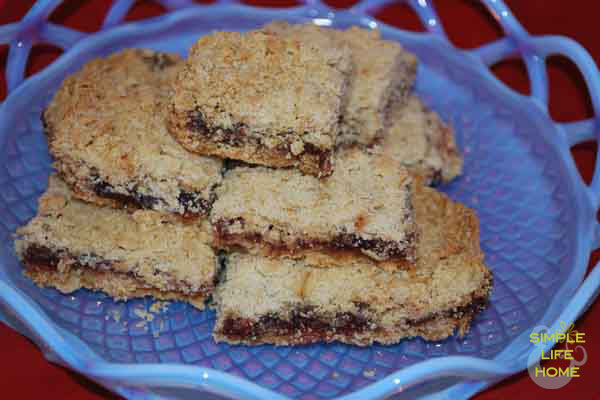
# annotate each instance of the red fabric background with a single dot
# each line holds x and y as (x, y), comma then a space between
(27, 375)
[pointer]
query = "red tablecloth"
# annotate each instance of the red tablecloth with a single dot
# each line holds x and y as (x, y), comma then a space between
(25, 374)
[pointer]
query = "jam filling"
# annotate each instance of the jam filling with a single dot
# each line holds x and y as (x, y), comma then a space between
(190, 201)
(305, 327)
(323, 157)
(383, 248)
(134, 198)
(230, 136)
(236, 137)
(302, 320)
(43, 258)
(40, 255)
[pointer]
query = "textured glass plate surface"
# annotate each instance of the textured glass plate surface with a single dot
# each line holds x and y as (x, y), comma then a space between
(537, 225)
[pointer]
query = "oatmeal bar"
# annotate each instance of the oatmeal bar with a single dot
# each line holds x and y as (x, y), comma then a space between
(363, 208)
(262, 99)
(106, 130)
(420, 140)
(263, 300)
(71, 244)
(383, 72)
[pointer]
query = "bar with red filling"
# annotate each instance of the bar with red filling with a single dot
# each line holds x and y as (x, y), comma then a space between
(289, 301)
(71, 244)
(363, 209)
(107, 133)
(262, 99)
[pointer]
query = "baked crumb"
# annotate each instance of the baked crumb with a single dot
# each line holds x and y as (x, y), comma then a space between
(159, 307)
(143, 314)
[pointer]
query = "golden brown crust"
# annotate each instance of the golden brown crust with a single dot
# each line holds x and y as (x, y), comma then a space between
(106, 131)
(382, 72)
(422, 142)
(260, 98)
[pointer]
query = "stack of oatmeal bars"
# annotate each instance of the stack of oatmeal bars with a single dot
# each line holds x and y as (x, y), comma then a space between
(299, 152)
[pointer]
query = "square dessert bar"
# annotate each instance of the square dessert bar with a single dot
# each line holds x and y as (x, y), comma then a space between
(106, 130)
(364, 208)
(71, 244)
(382, 73)
(284, 302)
(422, 142)
(262, 99)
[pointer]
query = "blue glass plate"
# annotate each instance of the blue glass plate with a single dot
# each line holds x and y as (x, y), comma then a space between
(537, 218)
